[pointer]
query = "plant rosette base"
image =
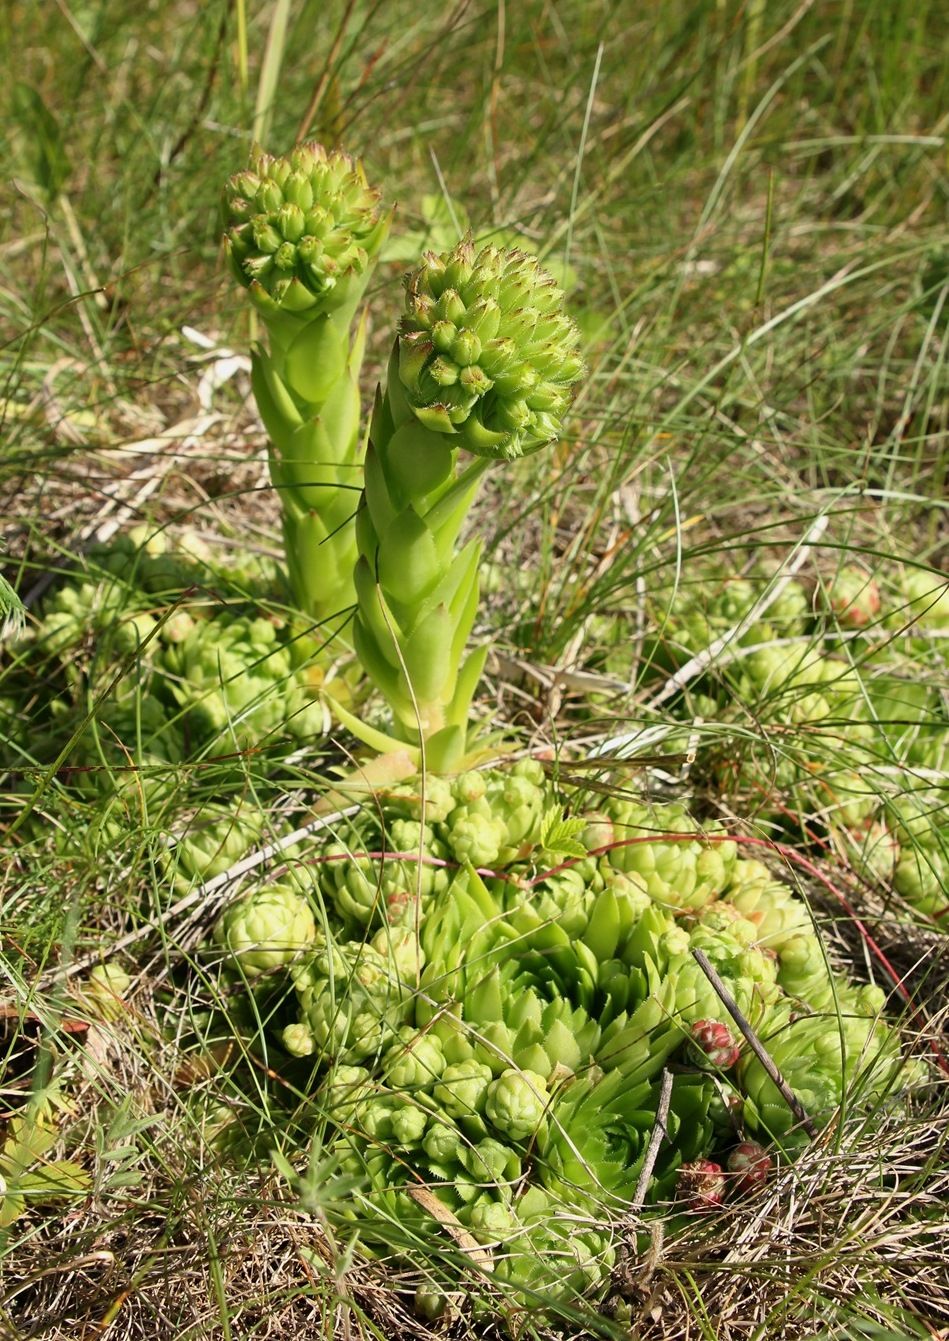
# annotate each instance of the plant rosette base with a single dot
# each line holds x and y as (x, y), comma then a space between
(493, 981)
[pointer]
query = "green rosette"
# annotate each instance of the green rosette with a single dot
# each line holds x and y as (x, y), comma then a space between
(267, 929)
(504, 1038)
(239, 676)
(823, 1059)
(678, 873)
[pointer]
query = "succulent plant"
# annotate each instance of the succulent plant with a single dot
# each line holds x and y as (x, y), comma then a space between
(677, 874)
(925, 600)
(485, 361)
(713, 1044)
(211, 842)
(516, 1102)
(302, 233)
(350, 1003)
(823, 1058)
(751, 1164)
(267, 928)
(238, 676)
(501, 1037)
(697, 612)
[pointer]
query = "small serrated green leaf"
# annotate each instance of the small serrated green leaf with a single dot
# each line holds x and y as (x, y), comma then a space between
(562, 836)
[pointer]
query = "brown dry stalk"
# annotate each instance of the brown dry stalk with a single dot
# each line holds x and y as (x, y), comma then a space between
(754, 1042)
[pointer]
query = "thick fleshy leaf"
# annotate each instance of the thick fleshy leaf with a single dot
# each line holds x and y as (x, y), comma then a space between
(315, 361)
(427, 653)
(408, 561)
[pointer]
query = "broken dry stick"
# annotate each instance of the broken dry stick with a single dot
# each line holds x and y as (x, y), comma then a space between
(754, 1042)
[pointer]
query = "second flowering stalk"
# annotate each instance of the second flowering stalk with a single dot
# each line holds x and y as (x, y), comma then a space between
(484, 363)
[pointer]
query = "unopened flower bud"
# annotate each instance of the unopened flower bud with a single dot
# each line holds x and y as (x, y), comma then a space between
(701, 1185)
(712, 1044)
(751, 1165)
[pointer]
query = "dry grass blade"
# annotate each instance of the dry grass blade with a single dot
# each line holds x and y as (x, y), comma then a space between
(468, 1244)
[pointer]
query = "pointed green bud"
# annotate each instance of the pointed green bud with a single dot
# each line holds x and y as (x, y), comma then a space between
(475, 382)
(298, 190)
(290, 222)
(443, 336)
(459, 265)
(266, 237)
(318, 223)
(449, 308)
(415, 352)
(285, 258)
(497, 356)
(257, 267)
(268, 197)
(466, 348)
(443, 372)
(484, 319)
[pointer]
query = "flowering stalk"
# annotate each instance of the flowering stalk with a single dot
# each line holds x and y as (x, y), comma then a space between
(302, 235)
(485, 361)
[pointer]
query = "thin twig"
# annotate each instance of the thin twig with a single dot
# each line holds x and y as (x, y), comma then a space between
(655, 1141)
(702, 660)
(203, 894)
(754, 1042)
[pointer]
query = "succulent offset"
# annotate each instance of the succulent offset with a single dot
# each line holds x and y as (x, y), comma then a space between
(192, 666)
(302, 233)
(847, 690)
(485, 361)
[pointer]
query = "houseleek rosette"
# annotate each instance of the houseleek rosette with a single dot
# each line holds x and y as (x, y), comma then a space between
(483, 365)
(302, 233)
(267, 929)
(690, 618)
(499, 1037)
(837, 688)
(240, 675)
(824, 1059)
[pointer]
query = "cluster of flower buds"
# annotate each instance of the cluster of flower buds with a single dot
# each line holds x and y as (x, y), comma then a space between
(703, 1184)
(486, 350)
(713, 1044)
(300, 230)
